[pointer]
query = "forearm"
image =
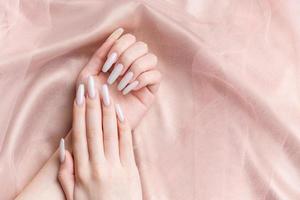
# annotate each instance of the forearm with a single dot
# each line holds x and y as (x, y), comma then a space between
(45, 184)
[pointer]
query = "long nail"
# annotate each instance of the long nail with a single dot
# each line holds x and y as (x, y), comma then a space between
(125, 80)
(109, 62)
(130, 87)
(62, 151)
(105, 94)
(115, 74)
(91, 87)
(80, 95)
(119, 112)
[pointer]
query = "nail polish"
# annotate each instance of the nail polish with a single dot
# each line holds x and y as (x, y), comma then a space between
(91, 87)
(80, 95)
(130, 87)
(62, 151)
(109, 62)
(105, 94)
(115, 74)
(125, 80)
(119, 112)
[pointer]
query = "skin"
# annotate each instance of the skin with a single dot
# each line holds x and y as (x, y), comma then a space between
(135, 104)
(104, 161)
(135, 57)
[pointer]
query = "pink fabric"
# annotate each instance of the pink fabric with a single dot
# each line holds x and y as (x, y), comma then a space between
(226, 121)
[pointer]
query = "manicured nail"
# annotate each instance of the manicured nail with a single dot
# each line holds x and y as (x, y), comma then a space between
(130, 87)
(115, 74)
(91, 87)
(109, 62)
(105, 94)
(119, 112)
(125, 80)
(80, 95)
(62, 151)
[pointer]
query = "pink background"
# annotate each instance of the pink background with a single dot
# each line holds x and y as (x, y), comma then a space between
(226, 121)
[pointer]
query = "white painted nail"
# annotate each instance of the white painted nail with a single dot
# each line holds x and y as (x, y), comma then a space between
(125, 80)
(119, 112)
(109, 62)
(62, 151)
(105, 94)
(91, 87)
(130, 87)
(80, 95)
(115, 74)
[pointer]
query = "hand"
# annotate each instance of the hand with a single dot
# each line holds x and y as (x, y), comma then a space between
(104, 166)
(134, 77)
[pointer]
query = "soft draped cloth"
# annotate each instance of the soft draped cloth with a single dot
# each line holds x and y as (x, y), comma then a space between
(226, 121)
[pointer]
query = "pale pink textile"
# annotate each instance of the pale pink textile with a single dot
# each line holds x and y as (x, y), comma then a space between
(226, 123)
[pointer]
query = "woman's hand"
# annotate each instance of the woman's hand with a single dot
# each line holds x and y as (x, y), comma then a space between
(103, 164)
(130, 69)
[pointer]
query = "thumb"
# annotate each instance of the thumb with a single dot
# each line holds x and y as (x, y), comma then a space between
(66, 171)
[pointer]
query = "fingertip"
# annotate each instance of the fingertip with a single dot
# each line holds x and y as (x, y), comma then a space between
(116, 34)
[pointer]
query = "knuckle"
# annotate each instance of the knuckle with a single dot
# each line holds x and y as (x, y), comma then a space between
(107, 112)
(91, 134)
(124, 127)
(108, 137)
(97, 175)
(81, 177)
(137, 67)
(117, 46)
(125, 59)
(76, 136)
(142, 77)
(91, 104)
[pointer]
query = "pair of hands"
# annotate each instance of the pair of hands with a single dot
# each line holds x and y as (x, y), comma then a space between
(103, 163)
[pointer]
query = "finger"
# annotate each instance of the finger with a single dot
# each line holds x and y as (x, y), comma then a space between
(143, 64)
(94, 65)
(117, 49)
(79, 143)
(125, 139)
(109, 123)
(134, 52)
(94, 127)
(151, 79)
(66, 175)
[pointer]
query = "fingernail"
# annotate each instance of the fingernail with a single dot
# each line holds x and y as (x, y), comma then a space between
(115, 74)
(125, 80)
(105, 94)
(119, 112)
(80, 95)
(62, 151)
(91, 87)
(130, 87)
(109, 62)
